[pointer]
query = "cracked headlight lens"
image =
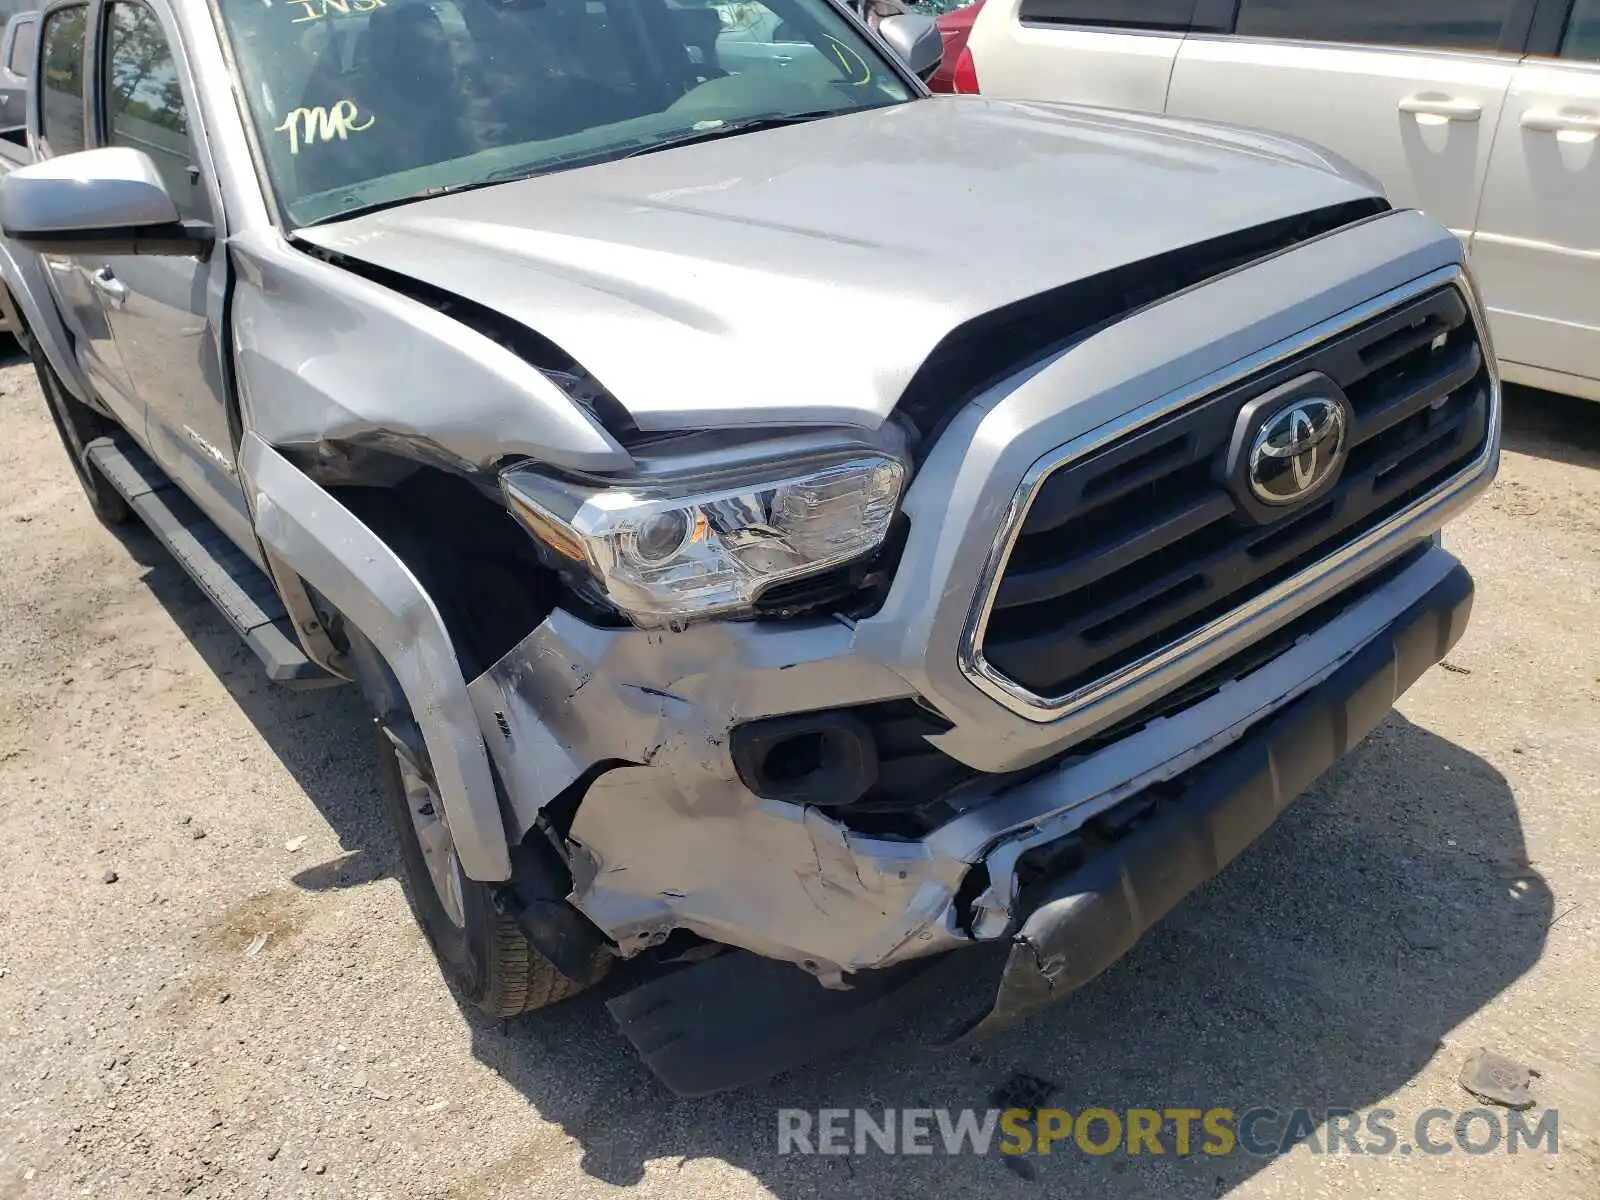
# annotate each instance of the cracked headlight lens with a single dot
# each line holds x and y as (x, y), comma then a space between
(667, 552)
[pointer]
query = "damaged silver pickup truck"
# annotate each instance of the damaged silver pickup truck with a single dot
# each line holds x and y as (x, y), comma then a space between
(789, 527)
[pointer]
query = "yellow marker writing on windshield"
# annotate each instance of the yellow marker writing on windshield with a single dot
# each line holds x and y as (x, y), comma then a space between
(316, 10)
(313, 125)
(855, 70)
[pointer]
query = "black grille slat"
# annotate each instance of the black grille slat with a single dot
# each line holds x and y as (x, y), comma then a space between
(1046, 583)
(1455, 371)
(1412, 336)
(1140, 543)
(1073, 498)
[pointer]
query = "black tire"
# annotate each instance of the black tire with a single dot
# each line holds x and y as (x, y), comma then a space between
(486, 960)
(78, 425)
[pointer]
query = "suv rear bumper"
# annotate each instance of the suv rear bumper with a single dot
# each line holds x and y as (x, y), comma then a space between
(735, 1019)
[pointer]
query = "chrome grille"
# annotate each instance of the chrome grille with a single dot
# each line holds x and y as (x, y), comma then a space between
(1142, 542)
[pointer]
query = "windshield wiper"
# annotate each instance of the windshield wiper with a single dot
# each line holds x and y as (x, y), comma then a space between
(724, 129)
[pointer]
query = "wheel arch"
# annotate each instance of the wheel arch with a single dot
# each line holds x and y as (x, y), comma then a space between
(307, 531)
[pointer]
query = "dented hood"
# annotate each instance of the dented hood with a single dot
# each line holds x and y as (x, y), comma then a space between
(802, 274)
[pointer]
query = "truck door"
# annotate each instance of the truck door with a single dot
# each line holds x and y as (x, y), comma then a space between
(62, 129)
(166, 310)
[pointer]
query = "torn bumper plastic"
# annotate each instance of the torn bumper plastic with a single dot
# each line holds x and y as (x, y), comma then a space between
(736, 1018)
(667, 836)
(1078, 926)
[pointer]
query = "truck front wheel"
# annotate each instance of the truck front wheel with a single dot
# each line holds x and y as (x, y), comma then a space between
(481, 952)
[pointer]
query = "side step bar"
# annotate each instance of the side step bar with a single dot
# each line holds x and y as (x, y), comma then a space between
(242, 591)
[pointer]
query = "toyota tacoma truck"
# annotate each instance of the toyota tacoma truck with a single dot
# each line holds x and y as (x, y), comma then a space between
(759, 575)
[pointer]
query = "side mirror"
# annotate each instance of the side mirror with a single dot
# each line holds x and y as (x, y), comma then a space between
(106, 201)
(915, 38)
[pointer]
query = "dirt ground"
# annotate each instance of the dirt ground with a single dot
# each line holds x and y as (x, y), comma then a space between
(210, 982)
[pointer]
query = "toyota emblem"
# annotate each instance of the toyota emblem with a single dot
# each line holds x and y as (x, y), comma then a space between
(1297, 450)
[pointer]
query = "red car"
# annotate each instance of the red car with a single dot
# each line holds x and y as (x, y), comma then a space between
(956, 72)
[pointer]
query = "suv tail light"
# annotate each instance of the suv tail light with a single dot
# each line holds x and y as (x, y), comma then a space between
(965, 77)
(956, 72)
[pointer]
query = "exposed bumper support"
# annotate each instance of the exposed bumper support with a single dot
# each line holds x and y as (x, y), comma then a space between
(1084, 923)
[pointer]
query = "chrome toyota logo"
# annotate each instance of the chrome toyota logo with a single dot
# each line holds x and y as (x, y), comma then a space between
(1297, 450)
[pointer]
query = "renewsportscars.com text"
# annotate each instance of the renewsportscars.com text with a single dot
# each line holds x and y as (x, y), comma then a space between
(1260, 1132)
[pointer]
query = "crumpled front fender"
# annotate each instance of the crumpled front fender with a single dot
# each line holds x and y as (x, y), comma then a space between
(310, 532)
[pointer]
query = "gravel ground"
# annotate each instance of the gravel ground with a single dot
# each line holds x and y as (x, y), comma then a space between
(210, 982)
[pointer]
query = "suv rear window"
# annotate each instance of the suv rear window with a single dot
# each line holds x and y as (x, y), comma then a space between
(1127, 14)
(1436, 24)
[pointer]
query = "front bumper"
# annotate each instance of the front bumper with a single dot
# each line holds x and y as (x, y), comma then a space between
(670, 839)
(1078, 926)
(735, 1018)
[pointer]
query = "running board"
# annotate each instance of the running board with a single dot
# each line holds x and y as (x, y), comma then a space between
(241, 591)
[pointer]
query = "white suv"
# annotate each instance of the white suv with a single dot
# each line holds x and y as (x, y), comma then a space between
(1484, 113)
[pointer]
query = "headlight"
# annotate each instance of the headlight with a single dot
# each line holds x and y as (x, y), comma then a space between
(669, 551)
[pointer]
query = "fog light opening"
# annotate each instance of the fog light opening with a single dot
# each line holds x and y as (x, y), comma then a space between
(790, 761)
(826, 759)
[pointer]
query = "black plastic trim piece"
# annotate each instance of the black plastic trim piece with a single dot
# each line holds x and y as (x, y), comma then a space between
(1008, 339)
(536, 899)
(1548, 27)
(1078, 926)
(187, 239)
(737, 1018)
(1514, 34)
(833, 760)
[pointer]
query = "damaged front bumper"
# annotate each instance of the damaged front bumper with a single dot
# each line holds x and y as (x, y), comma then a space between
(1077, 926)
(665, 835)
(737, 1018)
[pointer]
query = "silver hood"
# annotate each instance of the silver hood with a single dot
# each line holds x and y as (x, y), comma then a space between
(803, 274)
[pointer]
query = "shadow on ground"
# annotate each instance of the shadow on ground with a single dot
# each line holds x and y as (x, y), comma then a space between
(1544, 424)
(1323, 969)
(324, 737)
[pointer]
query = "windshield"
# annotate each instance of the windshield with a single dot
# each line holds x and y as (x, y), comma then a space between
(367, 102)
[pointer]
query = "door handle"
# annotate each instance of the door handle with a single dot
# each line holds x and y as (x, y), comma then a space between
(1553, 120)
(1442, 106)
(109, 286)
